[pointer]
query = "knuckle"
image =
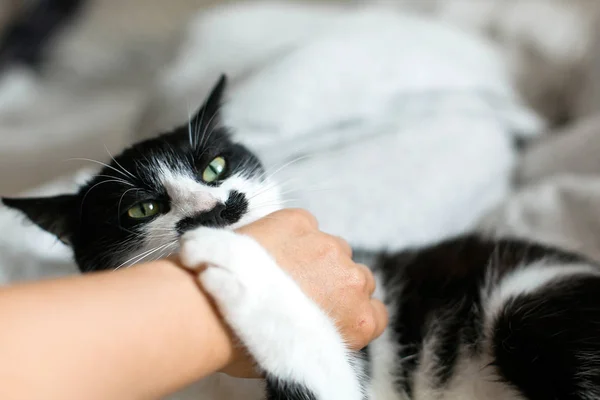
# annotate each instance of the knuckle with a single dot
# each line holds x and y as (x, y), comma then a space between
(331, 244)
(357, 279)
(329, 248)
(300, 219)
(367, 327)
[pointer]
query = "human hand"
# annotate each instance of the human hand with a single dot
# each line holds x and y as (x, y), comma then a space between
(322, 266)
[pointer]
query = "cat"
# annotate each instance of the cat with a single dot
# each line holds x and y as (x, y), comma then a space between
(470, 317)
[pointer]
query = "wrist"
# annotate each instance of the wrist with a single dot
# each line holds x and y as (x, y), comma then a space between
(236, 361)
(210, 341)
(241, 365)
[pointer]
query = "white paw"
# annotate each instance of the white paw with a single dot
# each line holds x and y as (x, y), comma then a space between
(283, 329)
(204, 246)
(224, 286)
(235, 264)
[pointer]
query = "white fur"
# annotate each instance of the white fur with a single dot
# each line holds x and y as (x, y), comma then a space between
(188, 197)
(385, 368)
(474, 379)
(427, 362)
(289, 336)
(523, 281)
(383, 352)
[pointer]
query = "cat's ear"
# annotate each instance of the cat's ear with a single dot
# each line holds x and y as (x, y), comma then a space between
(209, 115)
(53, 214)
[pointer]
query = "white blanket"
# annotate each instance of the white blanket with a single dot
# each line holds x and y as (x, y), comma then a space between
(407, 125)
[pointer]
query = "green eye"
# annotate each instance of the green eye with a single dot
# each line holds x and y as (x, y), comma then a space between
(144, 210)
(214, 170)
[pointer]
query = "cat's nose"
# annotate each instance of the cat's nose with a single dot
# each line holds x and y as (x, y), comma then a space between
(214, 218)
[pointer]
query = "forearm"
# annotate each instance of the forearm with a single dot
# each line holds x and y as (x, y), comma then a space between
(137, 333)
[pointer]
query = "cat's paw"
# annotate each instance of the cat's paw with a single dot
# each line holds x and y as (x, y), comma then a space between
(288, 335)
(204, 246)
(229, 264)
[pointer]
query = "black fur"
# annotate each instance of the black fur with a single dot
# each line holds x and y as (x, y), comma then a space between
(219, 217)
(437, 293)
(548, 347)
(26, 39)
(93, 220)
(278, 389)
(52, 214)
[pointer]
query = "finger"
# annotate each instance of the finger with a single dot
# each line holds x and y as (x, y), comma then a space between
(344, 246)
(381, 317)
(370, 283)
(304, 215)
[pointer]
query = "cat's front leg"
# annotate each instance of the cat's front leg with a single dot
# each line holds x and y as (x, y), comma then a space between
(292, 340)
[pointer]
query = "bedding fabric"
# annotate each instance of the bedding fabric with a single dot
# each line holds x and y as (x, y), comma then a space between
(403, 143)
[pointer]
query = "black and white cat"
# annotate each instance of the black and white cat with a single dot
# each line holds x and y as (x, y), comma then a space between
(470, 318)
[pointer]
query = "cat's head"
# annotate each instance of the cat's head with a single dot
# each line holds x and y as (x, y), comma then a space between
(136, 208)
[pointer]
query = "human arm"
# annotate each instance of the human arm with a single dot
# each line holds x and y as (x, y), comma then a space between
(143, 332)
(137, 333)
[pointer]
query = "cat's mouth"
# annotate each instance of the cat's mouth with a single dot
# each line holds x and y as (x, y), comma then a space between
(220, 216)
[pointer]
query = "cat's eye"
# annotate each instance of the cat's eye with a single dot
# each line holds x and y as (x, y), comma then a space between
(145, 209)
(214, 170)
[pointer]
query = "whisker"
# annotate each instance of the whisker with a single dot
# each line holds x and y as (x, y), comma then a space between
(287, 164)
(306, 190)
(160, 250)
(100, 163)
(205, 138)
(121, 180)
(274, 203)
(191, 139)
(90, 189)
(164, 235)
(267, 188)
(116, 162)
(137, 258)
(198, 124)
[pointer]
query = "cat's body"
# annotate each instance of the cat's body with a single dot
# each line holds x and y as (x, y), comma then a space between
(471, 318)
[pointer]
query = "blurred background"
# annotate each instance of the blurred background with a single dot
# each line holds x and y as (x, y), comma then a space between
(476, 114)
(68, 65)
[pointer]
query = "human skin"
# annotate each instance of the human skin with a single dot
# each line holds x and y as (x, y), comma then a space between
(149, 330)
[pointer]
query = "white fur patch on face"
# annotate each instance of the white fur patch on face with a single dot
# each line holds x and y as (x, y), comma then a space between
(188, 197)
